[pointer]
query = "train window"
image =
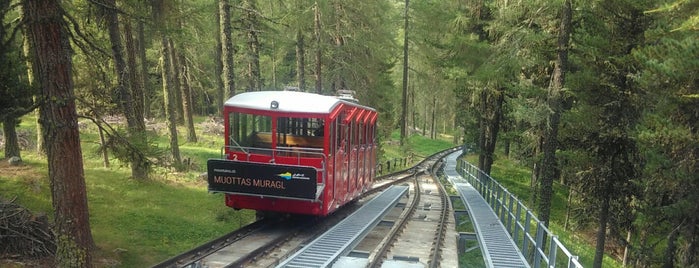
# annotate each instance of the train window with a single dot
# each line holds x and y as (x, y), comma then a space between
(300, 132)
(333, 133)
(362, 133)
(248, 130)
(341, 131)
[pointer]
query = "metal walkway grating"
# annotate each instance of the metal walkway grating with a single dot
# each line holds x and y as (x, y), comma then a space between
(340, 239)
(499, 250)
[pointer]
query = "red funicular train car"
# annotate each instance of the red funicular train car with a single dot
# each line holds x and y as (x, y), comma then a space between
(294, 152)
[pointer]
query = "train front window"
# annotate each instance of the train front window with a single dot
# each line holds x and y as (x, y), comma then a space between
(300, 132)
(249, 130)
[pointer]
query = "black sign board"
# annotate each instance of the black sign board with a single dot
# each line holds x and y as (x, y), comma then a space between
(263, 179)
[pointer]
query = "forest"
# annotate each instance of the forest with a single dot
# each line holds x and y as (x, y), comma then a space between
(600, 97)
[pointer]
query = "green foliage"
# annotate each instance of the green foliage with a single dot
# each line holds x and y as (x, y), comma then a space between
(126, 147)
(668, 141)
(686, 13)
(15, 92)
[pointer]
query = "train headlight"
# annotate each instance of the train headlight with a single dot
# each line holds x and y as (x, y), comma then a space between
(274, 105)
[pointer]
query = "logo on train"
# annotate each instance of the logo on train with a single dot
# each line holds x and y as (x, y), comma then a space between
(288, 176)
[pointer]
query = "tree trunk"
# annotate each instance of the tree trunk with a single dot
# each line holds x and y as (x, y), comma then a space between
(226, 52)
(506, 143)
(319, 50)
(536, 173)
(136, 82)
(147, 91)
(602, 230)
(169, 100)
(176, 88)
(9, 128)
(482, 122)
(27, 51)
(627, 246)
(140, 165)
(52, 59)
(160, 14)
(433, 133)
(301, 60)
(103, 142)
(404, 97)
(126, 100)
(491, 105)
(338, 81)
(669, 256)
(413, 112)
(187, 100)
(550, 138)
(218, 58)
(252, 24)
(689, 257)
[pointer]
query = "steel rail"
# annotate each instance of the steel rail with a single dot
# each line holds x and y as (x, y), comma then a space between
(446, 208)
(193, 255)
(377, 259)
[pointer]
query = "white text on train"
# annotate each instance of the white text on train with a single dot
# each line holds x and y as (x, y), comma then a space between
(249, 182)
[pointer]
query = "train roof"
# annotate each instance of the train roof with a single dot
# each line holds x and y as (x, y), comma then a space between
(288, 101)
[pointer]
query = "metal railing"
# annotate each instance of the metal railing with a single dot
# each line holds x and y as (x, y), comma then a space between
(536, 242)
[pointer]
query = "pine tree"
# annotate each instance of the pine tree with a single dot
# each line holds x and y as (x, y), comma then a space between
(50, 44)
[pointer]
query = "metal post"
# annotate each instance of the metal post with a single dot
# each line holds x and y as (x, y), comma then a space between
(553, 250)
(571, 263)
(496, 201)
(517, 219)
(525, 241)
(539, 241)
(509, 214)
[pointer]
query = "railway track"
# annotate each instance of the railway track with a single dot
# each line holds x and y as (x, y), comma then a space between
(268, 242)
(418, 235)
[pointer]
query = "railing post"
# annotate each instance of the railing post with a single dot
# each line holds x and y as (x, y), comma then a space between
(503, 205)
(539, 241)
(496, 198)
(553, 250)
(509, 213)
(571, 263)
(517, 218)
(525, 241)
(491, 190)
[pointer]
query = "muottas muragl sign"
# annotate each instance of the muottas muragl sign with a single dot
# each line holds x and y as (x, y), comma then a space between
(261, 179)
